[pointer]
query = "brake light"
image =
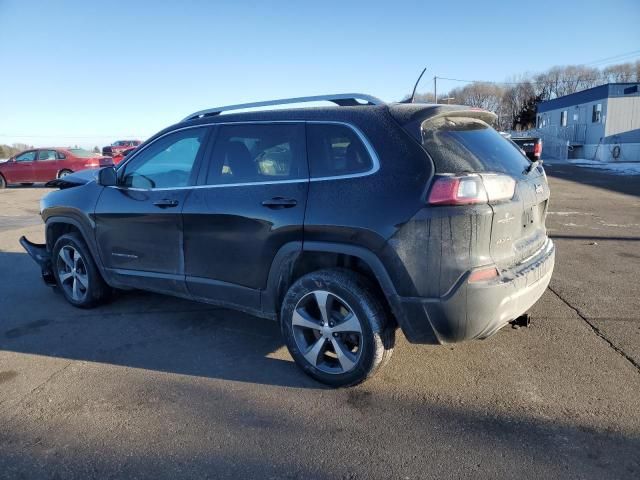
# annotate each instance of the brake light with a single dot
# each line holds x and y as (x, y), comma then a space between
(471, 189)
(537, 149)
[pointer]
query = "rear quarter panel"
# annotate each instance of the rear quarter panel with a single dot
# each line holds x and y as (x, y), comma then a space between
(367, 211)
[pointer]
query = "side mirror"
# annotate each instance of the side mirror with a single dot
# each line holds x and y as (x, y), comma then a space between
(107, 177)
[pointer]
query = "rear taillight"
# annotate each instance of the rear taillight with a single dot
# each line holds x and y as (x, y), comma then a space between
(471, 189)
(537, 149)
(483, 274)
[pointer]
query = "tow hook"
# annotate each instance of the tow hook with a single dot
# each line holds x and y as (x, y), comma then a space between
(523, 320)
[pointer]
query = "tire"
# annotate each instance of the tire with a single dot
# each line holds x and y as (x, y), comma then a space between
(64, 173)
(3, 182)
(314, 340)
(76, 273)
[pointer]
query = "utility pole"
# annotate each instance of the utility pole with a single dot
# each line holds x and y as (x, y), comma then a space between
(435, 89)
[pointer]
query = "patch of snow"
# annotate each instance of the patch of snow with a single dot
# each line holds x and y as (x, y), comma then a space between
(564, 214)
(617, 168)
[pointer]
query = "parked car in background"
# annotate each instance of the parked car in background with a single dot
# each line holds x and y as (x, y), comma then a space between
(532, 146)
(118, 157)
(342, 223)
(119, 146)
(45, 164)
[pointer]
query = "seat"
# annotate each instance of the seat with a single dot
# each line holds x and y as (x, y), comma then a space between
(239, 160)
(354, 158)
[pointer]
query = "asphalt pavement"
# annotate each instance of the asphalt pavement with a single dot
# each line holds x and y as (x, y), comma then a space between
(154, 387)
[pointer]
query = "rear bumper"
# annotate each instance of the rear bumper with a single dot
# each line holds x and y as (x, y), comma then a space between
(42, 257)
(477, 310)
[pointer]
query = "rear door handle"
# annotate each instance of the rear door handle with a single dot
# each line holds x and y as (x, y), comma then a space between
(279, 202)
(166, 203)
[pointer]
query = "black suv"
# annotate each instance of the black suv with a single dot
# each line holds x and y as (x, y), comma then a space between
(340, 222)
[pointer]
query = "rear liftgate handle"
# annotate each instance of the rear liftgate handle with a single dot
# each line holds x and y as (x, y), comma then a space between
(279, 202)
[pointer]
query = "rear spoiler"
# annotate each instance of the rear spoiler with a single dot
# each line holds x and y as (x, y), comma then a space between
(411, 117)
(477, 113)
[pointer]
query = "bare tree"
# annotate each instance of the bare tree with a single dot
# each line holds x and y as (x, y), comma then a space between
(515, 101)
(625, 72)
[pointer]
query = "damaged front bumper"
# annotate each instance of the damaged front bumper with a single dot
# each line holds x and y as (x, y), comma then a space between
(42, 257)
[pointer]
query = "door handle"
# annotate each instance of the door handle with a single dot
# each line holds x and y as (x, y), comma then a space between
(279, 202)
(166, 203)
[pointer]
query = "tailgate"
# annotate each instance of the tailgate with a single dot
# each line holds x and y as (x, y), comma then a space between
(518, 230)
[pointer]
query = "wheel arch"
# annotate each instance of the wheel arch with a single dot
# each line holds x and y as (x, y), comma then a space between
(56, 226)
(296, 259)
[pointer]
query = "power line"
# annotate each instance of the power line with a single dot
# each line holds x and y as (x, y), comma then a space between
(614, 58)
(595, 79)
(530, 82)
(618, 57)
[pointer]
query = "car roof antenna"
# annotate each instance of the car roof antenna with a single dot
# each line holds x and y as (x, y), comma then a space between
(413, 94)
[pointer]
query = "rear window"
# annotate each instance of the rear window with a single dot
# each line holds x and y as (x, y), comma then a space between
(462, 144)
(82, 153)
(336, 150)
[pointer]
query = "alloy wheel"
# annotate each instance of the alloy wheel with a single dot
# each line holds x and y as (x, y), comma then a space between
(72, 272)
(327, 332)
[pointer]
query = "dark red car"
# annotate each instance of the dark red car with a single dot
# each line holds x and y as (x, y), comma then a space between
(120, 146)
(118, 157)
(45, 164)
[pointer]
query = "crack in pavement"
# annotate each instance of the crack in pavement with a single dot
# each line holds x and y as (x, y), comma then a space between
(37, 387)
(597, 331)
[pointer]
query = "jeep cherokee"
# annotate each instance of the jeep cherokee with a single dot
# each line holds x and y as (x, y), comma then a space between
(341, 223)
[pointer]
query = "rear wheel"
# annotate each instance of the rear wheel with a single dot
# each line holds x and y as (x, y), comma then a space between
(64, 173)
(336, 330)
(76, 272)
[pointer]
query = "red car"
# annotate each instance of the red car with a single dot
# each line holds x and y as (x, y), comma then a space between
(118, 157)
(120, 146)
(45, 164)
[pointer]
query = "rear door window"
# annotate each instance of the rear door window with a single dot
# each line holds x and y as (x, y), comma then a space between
(250, 153)
(47, 155)
(462, 144)
(336, 150)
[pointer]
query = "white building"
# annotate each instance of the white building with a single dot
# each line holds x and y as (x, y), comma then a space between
(601, 123)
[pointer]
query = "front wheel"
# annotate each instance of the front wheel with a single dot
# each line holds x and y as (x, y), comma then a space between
(335, 328)
(76, 273)
(3, 182)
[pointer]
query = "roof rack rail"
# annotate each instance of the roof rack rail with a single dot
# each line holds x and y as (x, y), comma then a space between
(341, 99)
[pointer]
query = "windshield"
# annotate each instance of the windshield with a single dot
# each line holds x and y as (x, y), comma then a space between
(464, 144)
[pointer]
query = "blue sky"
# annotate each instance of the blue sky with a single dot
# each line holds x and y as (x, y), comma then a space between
(82, 72)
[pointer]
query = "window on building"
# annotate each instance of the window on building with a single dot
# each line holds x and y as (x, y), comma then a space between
(596, 116)
(563, 118)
